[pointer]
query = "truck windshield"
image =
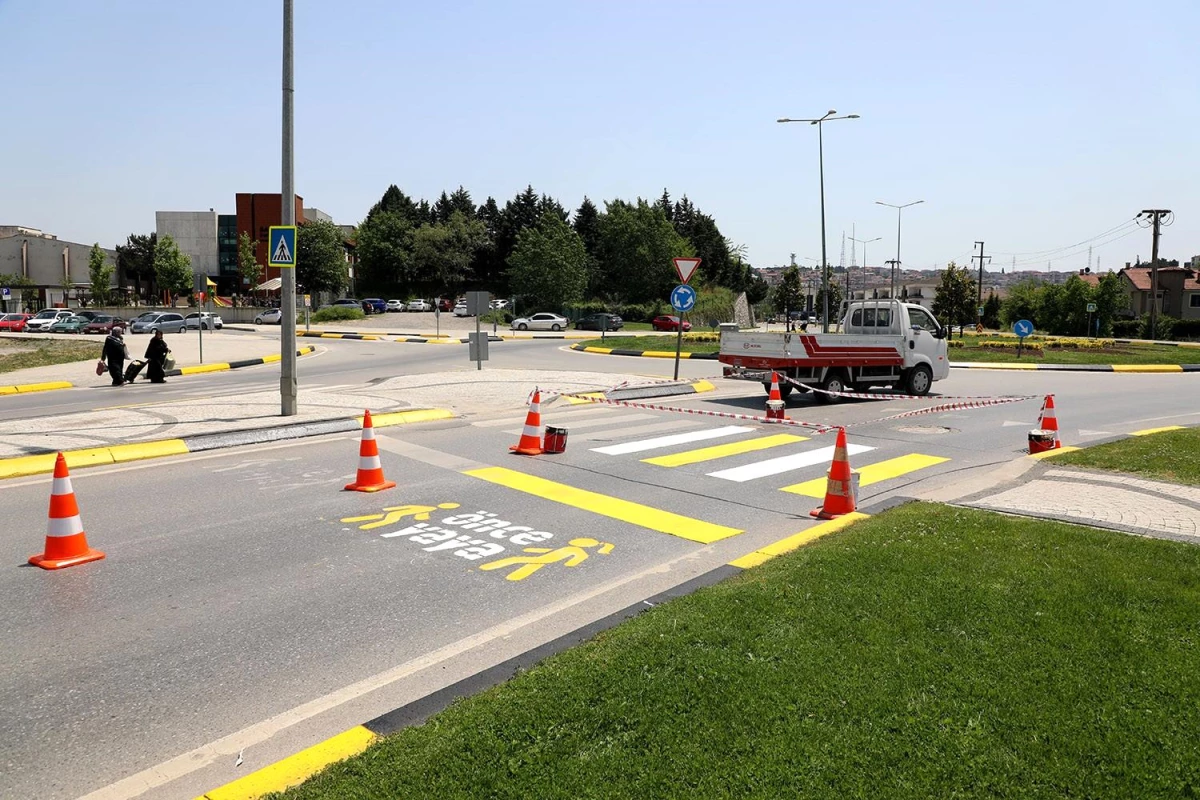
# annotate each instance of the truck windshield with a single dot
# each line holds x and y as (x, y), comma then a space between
(919, 319)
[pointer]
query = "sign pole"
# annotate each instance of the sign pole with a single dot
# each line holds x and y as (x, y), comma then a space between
(683, 298)
(287, 317)
(678, 345)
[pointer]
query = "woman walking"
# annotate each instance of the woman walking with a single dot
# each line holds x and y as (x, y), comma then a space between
(156, 354)
(115, 353)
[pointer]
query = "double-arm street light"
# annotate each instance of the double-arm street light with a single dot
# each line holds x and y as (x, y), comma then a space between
(864, 243)
(829, 116)
(896, 265)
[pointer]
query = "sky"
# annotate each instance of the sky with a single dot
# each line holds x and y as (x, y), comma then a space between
(1034, 126)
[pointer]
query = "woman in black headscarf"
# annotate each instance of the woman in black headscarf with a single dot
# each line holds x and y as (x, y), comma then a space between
(115, 353)
(156, 354)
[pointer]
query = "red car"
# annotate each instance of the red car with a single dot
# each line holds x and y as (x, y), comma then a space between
(103, 323)
(669, 323)
(14, 322)
(445, 304)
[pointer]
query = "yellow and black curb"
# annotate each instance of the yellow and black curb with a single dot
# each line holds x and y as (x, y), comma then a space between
(616, 351)
(1008, 365)
(295, 769)
(24, 466)
(369, 337)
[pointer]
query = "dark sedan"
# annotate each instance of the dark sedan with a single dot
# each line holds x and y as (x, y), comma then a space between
(103, 323)
(600, 322)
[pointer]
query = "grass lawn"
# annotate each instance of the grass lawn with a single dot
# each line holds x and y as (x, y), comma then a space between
(46, 352)
(926, 652)
(1169, 456)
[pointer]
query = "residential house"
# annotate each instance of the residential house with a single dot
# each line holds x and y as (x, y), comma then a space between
(1178, 290)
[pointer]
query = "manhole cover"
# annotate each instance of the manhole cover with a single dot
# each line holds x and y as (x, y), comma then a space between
(925, 429)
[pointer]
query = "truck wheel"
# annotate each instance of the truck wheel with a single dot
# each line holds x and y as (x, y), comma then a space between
(919, 379)
(835, 381)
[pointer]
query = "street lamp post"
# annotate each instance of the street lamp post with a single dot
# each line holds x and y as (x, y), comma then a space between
(819, 122)
(896, 266)
(864, 243)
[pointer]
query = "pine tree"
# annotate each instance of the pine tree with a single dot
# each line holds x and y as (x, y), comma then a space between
(664, 203)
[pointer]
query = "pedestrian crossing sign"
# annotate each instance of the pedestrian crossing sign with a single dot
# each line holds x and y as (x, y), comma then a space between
(281, 246)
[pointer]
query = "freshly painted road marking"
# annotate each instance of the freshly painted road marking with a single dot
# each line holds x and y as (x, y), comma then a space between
(1051, 453)
(615, 508)
(1149, 431)
(633, 430)
(295, 769)
(795, 541)
(774, 466)
(723, 450)
(668, 441)
(871, 473)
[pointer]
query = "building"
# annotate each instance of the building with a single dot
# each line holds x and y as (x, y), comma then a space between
(1178, 291)
(195, 232)
(256, 214)
(57, 270)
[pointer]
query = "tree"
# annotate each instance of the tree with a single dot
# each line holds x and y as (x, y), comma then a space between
(321, 257)
(1110, 299)
(135, 260)
(757, 290)
(101, 273)
(172, 268)
(1073, 317)
(835, 301)
(991, 311)
(637, 243)
(788, 296)
(1022, 303)
(955, 300)
(548, 265)
(708, 243)
(384, 247)
(249, 270)
(442, 254)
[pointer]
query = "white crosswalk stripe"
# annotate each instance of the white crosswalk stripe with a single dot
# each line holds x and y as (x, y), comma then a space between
(775, 466)
(668, 441)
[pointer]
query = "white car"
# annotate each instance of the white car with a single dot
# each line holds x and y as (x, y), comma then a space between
(44, 319)
(211, 321)
(272, 316)
(460, 310)
(418, 305)
(544, 321)
(395, 305)
(501, 303)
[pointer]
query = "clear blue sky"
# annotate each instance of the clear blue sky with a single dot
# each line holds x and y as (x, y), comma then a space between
(1030, 125)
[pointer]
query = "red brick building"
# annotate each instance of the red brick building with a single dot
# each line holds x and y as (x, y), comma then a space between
(258, 212)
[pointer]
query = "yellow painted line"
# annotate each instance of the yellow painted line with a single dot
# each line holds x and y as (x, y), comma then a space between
(606, 351)
(141, 450)
(201, 368)
(295, 769)
(42, 387)
(91, 457)
(8, 390)
(872, 473)
(723, 450)
(578, 399)
(658, 354)
(796, 541)
(1149, 431)
(1147, 368)
(634, 513)
(407, 417)
(1052, 453)
(704, 386)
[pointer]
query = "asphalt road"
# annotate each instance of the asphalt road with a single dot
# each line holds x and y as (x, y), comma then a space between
(238, 611)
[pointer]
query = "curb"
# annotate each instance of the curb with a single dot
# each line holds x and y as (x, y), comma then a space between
(24, 466)
(610, 351)
(1001, 365)
(26, 388)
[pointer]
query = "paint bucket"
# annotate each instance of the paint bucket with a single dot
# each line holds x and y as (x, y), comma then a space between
(555, 440)
(1040, 441)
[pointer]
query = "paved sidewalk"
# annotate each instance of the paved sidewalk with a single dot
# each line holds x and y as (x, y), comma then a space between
(1101, 499)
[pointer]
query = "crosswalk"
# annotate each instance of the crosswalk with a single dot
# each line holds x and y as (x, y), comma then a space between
(737, 454)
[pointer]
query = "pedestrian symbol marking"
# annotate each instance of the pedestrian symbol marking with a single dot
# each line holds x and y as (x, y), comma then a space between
(281, 246)
(397, 513)
(572, 555)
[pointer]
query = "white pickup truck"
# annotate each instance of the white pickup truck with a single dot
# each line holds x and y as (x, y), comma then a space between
(885, 343)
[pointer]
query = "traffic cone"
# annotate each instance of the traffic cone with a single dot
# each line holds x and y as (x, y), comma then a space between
(775, 404)
(66, 542)
(370, 470)
(531, 442)
(840, 485)
(1048, 421)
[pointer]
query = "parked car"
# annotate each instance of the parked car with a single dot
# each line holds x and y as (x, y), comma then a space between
(272, 316)
(42, 320)
(669, 322)
(349, 302)
(377, 305)
(500, 303)
(14, 322)
(211, 321)
(103, 323)
(418, 305)
(395, 305)
(445, 304)
(460, 310)
(71, 324)
(543, 321)
(600, 322)
(165, 321)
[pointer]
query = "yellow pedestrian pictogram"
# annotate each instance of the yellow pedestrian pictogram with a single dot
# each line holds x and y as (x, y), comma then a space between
(572, 555)
(396, 513)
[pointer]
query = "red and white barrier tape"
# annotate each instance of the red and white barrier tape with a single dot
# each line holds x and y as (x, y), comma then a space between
(889, 396)
(701, 412)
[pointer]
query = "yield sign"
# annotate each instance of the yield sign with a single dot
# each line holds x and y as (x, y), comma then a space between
(686, 267)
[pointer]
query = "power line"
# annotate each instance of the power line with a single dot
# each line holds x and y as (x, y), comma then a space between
(1052, 250)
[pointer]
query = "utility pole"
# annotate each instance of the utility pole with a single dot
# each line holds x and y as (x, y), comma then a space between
(979, 302)
(895, 265)
(1155, 217)
(287, 319)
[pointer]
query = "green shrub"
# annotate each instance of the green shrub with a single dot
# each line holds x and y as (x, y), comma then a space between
(336, 313)
(1125, 328)
(1186, 329)
(1164, 324)
(641, 312)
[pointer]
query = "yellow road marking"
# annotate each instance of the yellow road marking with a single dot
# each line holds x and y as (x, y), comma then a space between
(704, 386)
(1149, 431)
(872, 473)
(294, 769)
(23, 466)
(199, 368)
(42, 387)
(658, 354)
(602, 350)
(634, 513)
(795, 541)
(141, 450)
(406, 417)
(1052, 453)
(581, 398)
(723, 450)
(1147, 368)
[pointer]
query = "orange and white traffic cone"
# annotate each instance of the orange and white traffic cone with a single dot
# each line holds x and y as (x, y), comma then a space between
(530, 443)
(66, 541)
(370, 469)
(775, 404)
(1048, 421)
(840, 486)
